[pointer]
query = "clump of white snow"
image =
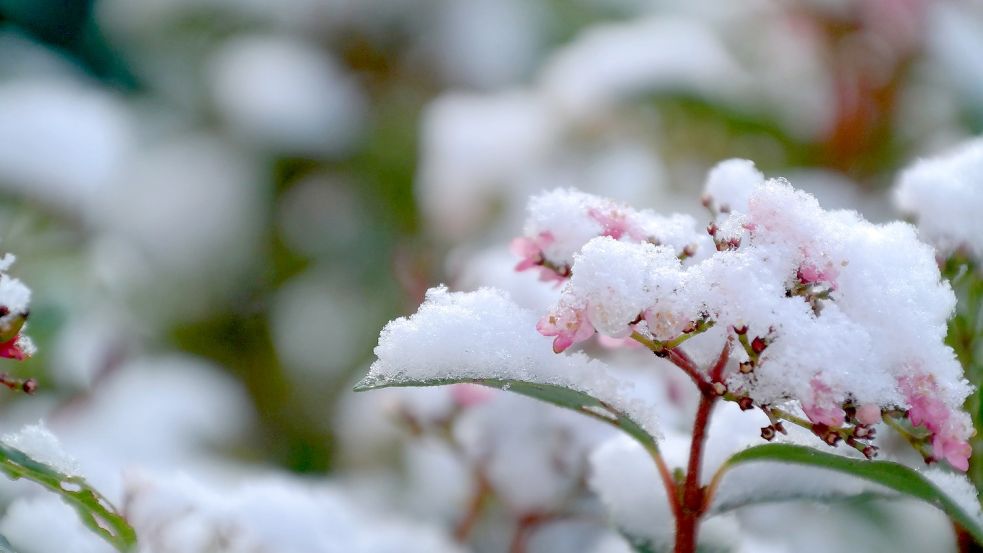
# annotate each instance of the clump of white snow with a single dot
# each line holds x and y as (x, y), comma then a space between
(945, 195)
(484, 335)
(41, 445)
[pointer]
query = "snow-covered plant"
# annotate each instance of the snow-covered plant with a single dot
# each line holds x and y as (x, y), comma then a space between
(811, 318)
(944, 195)
(34, 453)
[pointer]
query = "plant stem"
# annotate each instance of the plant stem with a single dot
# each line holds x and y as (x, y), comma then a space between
(675, 355)
(691, 508)
(524, 528)
(693, 504)
(478, 499)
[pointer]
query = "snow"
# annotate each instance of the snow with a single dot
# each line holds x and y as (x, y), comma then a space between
(944, 194)
(484, 335)
(41, 445)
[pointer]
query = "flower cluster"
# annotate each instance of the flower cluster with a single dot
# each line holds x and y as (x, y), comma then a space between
(836, 316)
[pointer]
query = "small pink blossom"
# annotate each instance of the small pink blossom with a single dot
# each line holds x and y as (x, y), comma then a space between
(823, 408)
(14, 349)
(869, 414)
(952, 449)
(614, 222)
(530, 253)
(809, 273)
(950, 429)
(568, 324)
(925, 407)
(530, 250)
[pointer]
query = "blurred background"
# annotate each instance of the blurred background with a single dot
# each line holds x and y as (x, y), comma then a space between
(219, 203)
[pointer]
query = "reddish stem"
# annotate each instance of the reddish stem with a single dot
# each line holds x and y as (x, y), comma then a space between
(463, 529)
(526, 525)
(679, 358)
(693, 504)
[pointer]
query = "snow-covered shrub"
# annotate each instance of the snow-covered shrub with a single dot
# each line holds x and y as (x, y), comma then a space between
(826, 327)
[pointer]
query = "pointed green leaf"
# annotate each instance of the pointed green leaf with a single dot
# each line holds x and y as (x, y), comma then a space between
(891, 475)
(557, 395)
(95, 510)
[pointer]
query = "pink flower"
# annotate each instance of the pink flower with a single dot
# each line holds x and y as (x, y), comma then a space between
(869, 414)
(925, 407)
(615, 223)
(952, 449)
(568, 324)
(823, 408)
(950, 429)
(809, 273)
(530, 250)
(530, 253)
(14, 349)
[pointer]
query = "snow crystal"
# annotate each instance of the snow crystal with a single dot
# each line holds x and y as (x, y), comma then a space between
(945, 195)
(484, 335)
(41, 445)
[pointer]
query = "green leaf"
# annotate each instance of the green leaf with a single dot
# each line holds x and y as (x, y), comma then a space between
(95, 510)
(891, 475)
(557, 395)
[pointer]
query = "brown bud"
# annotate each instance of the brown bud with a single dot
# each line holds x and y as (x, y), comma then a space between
(780, 427)
(724, 208)
(831, 438)
(712, 229)
(870, 452)
(745, 403)
(719, 388)
(768, 433)
(862, 431)
(746, 367)
(689, 250)
(29, 386)
(706, 200)
(741, 330)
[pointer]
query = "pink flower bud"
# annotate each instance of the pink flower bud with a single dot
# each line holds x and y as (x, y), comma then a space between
(868, 414)
(569, 325)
